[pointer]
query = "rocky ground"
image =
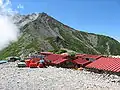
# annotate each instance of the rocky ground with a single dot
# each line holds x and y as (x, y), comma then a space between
(51, 78)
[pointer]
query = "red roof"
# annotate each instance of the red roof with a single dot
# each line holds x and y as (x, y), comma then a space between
(46, 53)
(109, 64)
(92, 56)
(81, 61)
(59, 61)
(54, 57)
(80, 55)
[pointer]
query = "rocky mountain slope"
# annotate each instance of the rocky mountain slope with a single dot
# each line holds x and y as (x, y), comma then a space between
(42, 32)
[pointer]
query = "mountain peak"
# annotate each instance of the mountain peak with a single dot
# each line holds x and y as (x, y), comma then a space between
(42, 32)
(44, 14)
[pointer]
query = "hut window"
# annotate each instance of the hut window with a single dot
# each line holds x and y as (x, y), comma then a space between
(87, 58)
(90, 59)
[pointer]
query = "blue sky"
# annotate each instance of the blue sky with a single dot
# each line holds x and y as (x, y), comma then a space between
(97, 16)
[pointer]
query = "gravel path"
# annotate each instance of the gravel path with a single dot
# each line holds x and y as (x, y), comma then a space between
(51, 78)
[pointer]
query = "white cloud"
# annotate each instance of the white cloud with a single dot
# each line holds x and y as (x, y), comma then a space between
(1, 2)
(8, 30)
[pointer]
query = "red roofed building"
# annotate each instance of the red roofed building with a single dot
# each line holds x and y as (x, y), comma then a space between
(80, 55)
(65, 60)
(81, 61)
(108, 64)
(53, 58)
(60, 60)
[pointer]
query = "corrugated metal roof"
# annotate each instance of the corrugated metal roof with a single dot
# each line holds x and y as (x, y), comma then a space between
(52, 57)
(55, 57)
(80, 55)
(92, 56)
(60, 60)
(109, 64)
(81, 61)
